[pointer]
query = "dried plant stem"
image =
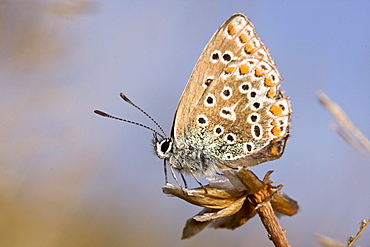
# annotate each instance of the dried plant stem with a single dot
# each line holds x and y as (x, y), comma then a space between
(268, 218)
(353, 239)
(346, 128)
(225, 206)
(262, 193)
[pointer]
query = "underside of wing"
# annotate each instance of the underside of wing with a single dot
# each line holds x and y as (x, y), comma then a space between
(232, 107)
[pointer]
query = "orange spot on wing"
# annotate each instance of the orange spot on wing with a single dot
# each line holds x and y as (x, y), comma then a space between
(276, 110)
(271, 93)
(259, 72)
(229, 70)
(274, 150)
(231, 29)
(244, 69)
(269, 82)
(249, 49)
(276, 131)
(243, 38)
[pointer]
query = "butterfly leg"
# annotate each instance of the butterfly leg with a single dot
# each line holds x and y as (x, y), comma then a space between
(174, 176)
(200, 183)
(183, 179)
(165, 172)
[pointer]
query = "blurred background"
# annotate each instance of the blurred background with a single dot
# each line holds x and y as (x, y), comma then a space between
(71, 178)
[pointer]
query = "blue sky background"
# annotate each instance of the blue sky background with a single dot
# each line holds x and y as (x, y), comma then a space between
(70, 176)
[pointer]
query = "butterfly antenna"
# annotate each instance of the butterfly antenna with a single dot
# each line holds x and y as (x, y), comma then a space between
(128, 121)
(146, 114)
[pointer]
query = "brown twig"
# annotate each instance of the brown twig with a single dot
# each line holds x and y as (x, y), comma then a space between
(268, 218)
(261, 200)
(326, 241)
(353, 239)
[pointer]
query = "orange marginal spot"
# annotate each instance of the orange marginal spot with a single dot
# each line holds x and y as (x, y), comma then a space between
(274, 123)
(249, 49)
(276, 110)
(244, 69)
(274, 150)
(269, 82)
(271, 93)
(231, 29)
(229, 70)
(276, 131)
(275, 140)
(259, 72)
(243, 38)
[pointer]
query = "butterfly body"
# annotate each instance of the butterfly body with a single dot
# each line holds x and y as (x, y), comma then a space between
(187, 159)
(232, 112)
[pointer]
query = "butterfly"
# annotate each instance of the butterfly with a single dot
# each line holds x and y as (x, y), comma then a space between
(232, 112)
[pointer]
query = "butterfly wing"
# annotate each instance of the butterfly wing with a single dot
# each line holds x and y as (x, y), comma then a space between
(203, 75)
(232, 107)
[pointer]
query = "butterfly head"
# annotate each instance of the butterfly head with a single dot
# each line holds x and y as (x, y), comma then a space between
(162, 147)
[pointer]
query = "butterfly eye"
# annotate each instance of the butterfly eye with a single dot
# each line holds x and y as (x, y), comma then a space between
(165, 146)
